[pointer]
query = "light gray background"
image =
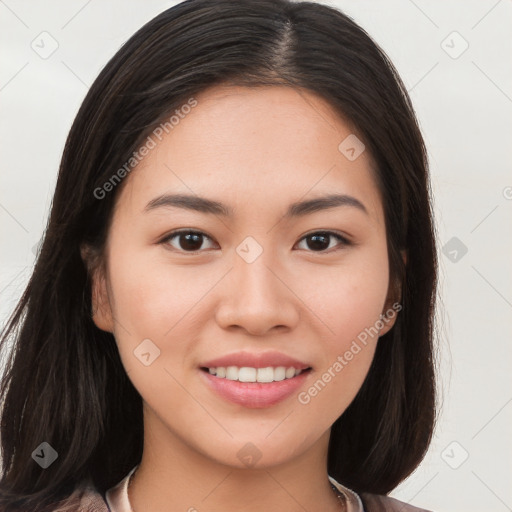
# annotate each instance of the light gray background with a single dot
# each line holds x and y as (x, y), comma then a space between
(463, 99)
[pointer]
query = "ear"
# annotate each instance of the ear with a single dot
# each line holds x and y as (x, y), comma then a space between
(392, 305)
(100, 304)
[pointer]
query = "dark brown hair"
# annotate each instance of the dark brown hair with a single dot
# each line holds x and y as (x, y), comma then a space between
(64, 382)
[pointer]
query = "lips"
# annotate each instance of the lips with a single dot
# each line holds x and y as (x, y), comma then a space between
(254, 394)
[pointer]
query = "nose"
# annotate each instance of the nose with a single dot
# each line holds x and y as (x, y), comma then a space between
(257, 299)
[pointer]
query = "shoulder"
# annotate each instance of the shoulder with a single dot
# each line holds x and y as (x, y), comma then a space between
(85, 499)
(379, 503)
(367, 502)
(93, 501)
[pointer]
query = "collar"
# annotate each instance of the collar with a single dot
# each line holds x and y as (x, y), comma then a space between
(117, 496)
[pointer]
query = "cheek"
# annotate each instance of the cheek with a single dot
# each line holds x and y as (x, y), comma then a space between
(150, 296)
(349, 298)
(349, 301)
(153, 301)
(162, 302)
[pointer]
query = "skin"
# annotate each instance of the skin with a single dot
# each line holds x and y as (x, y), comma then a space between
(256, 150)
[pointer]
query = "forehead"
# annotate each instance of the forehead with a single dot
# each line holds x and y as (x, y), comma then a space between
(255, 146)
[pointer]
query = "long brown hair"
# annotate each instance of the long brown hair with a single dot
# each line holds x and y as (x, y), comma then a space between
(64, 382)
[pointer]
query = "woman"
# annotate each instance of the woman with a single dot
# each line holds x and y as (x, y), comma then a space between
(233, 304)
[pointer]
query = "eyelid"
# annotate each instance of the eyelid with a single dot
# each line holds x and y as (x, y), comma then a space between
(343, 239)
(185, 231)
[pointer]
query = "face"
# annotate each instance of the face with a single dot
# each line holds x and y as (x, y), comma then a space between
(258, 284)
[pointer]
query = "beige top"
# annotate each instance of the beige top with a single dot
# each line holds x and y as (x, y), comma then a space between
(116, 500)
(117, 496)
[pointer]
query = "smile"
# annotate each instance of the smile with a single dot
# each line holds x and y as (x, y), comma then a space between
(249, 374)
(251, 393)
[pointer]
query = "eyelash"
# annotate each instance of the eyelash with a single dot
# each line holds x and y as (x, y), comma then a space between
(344, 241)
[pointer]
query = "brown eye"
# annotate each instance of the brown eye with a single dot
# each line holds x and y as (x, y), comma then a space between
(321, 240)
(192, 241)
(187, 241)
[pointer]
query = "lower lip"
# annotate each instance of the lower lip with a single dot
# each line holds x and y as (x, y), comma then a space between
(255, 394)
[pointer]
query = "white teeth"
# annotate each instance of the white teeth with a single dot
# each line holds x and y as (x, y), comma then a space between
(290, 372)
(248, 374)
(232, 373)
(265, 374)
(280, 373)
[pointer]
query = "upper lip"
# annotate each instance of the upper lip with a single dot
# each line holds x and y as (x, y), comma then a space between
(255, 360)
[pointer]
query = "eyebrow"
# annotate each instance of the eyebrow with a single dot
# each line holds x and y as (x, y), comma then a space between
(298, 209)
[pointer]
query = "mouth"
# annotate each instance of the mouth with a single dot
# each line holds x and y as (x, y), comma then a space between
(254, 388)
(250, 374)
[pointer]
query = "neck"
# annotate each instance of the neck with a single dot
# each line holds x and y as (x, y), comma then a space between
(174, 476)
